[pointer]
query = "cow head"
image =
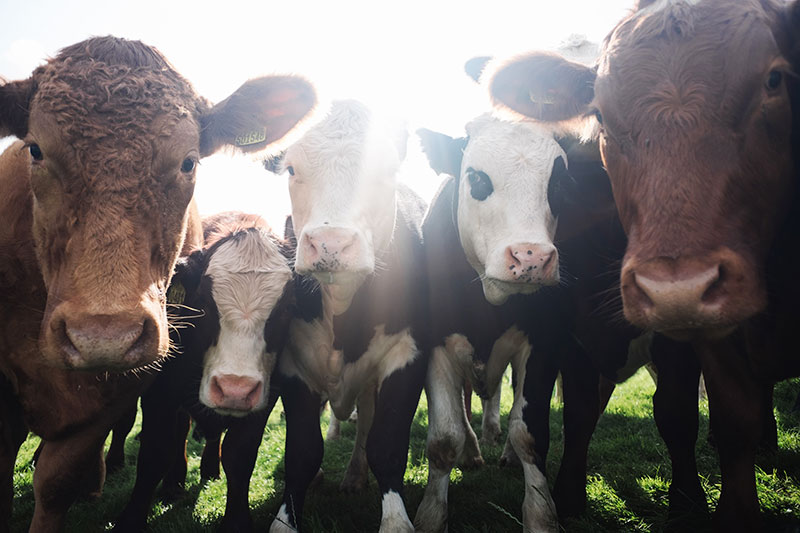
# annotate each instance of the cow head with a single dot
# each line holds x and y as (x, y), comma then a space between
(692, 104)
(114, 135)
(511, 182)
(342, 181)
(236, 292)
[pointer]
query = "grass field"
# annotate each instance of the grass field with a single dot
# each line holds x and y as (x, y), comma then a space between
(628, 478)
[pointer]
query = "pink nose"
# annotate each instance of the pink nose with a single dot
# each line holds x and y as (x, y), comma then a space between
(239, 393)
(104, 341)
(681, 294)
(532, 263)
(329, 249)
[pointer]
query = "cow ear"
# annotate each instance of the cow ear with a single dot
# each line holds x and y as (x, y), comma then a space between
(444, 152)
(260, 112)
(15, 99)
(543, 86)
(186, 278)
(474, 67)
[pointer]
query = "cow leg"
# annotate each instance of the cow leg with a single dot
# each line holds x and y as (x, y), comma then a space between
(736, 408)
(13, 433)
(490, 425)
(66, 465)
(334, 428)
(304, 450)
(676, 415)
(446, 436)
(357, 474)
(581, 412)
(387, 443)
(209, 461)
(174, 482)
(529, 432)
(239, 453)
(468, 399)
(155, 453)
(115, 457)
(769, 437)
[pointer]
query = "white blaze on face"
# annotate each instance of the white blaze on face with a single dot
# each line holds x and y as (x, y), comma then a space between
(342, 186)
(503, 206)
(249, 275)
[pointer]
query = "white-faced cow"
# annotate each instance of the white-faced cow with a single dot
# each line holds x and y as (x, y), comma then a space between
(359, 235)
(95, 207)
(511, 198)
(234, 301)
(696, 115)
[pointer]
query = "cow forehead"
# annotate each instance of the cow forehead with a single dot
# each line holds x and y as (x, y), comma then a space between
(253, 250)
(347, 144)
(510, 150)
(698, 56)
(112, 109)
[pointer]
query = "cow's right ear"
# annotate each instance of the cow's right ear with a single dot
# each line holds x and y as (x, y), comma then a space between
(15, 100)
(543, 86)
(444, 152)
(260, 112)
(474, 67)
(186, 279)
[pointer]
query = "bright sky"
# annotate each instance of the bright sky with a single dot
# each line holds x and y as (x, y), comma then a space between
(403, 57)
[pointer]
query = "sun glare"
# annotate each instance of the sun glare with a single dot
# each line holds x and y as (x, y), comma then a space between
(401, 58)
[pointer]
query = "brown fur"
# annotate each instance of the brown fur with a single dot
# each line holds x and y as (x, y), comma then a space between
(93, 229)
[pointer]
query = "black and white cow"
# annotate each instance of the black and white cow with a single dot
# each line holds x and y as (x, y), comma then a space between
(233, 300)
(359, 236)
(515, 191)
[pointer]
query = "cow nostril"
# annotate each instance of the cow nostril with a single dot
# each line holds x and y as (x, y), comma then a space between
(511, 259)
(715, 290)
(215, 392)
(637, 295)
(254, 394)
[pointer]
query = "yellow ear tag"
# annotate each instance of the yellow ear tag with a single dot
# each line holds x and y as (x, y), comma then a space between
(176, 293)
(254, 137)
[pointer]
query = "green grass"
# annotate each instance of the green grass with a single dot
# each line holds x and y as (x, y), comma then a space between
(628, 478)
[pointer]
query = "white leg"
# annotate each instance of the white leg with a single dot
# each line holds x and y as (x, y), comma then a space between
(446, 417)
(538, 509)
(490, 424)
(281, 522)
(471, 454)
(334, 428)
(394, 518)
(357, 475)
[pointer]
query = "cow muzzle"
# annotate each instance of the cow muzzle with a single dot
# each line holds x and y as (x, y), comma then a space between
(331, 250)
(236, 395)
(691, 297)
(115, 342)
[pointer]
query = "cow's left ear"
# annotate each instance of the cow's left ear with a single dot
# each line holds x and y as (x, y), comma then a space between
(543, 86)
(186, 278)
(260, 112)
(15, 99)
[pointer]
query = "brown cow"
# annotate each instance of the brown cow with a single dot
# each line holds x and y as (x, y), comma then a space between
(95, 206)
(695, 105)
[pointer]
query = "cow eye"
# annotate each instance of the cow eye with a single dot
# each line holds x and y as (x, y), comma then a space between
(188, 165)
(599, 116)
(290, 170)
(480, 186)
(36, 152)
(774, 79)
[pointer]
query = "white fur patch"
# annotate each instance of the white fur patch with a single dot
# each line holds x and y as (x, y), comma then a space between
(518, 157)
(249, 275)
(394, 518)
(281, 522)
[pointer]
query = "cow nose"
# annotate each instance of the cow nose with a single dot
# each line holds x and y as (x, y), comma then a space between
(329, 248)
(537, 262)
(238, 393)
(674, 296)
(121, 341)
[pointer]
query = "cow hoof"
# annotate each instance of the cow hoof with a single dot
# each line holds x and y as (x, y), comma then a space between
(207, 473)
(170, 493)
(490, 437)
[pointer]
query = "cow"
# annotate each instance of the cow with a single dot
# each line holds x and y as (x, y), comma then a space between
(234, 299)
(96, 206)
(356, 339)
(695, 107)
(514, 191)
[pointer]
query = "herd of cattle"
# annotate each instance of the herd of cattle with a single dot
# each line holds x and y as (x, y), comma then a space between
(664, 172)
